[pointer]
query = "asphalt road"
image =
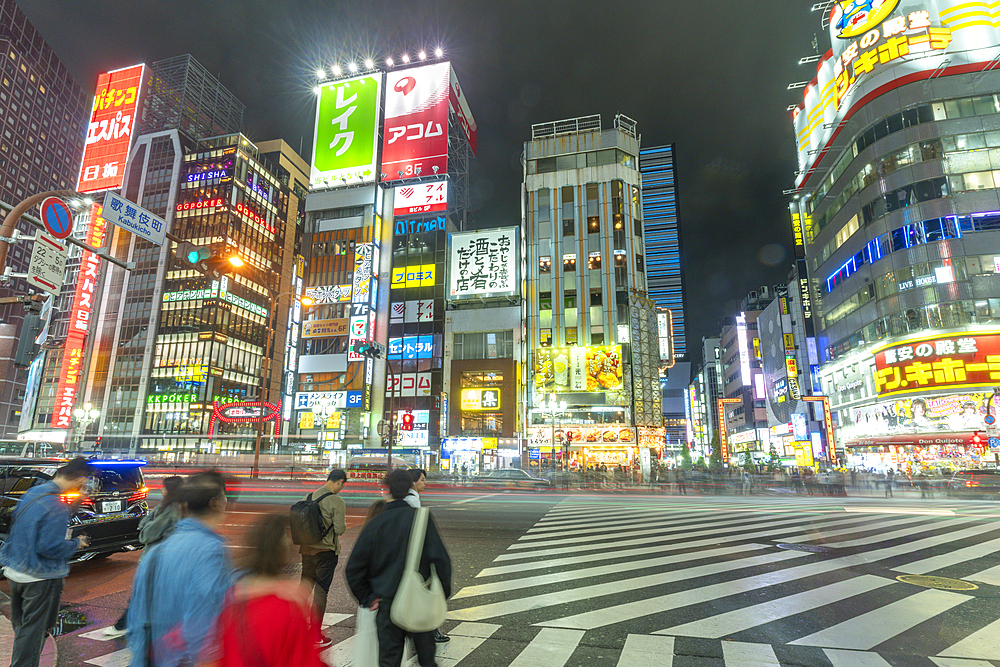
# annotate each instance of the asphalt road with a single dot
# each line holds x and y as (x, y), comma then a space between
(551, 579)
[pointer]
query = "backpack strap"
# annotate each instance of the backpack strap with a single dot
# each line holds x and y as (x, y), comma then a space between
(330, 527)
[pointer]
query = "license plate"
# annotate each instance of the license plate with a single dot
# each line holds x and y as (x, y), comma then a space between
(113, 506)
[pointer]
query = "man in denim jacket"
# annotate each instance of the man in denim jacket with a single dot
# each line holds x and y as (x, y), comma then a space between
(181, 583)
(35, 558)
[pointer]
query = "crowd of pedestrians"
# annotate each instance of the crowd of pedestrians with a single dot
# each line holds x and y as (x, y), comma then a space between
(191, 604)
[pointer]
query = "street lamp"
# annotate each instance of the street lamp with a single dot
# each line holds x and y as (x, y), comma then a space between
(85, 416)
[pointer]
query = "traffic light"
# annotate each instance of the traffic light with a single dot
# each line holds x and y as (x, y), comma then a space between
(977, 440)
(367, 349)
(407, 424)
(203, 259)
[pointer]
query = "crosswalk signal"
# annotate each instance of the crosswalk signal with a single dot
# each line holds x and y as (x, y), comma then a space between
(407, 424)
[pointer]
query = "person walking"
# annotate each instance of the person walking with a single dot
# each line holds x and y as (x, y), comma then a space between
(890, 477)
(376, 566)
(320, 560)
(180, 585)
(269, 619)
(418, 477)
(35, 558)
(155, 527)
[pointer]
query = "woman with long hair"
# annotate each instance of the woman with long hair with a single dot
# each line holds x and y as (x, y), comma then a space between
(268, 620)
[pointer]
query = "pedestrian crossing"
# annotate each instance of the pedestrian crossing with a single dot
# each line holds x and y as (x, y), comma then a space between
(715, 574)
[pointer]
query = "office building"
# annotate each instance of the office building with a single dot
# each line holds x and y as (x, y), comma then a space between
(658, 169)
(593, 391)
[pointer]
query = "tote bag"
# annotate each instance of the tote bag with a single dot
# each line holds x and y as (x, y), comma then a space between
(419, 606)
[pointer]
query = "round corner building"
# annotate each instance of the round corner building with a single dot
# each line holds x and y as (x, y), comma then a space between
(897, 222)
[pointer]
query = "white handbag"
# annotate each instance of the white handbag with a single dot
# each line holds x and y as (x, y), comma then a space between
(419, 606)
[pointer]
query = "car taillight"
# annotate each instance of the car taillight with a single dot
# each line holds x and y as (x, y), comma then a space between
(69, 497)
(141, 494)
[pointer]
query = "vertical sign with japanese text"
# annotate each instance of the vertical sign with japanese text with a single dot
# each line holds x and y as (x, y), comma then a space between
(483, 263)
(71, 372)
(416, 122)
(344, 151)
(109, 134)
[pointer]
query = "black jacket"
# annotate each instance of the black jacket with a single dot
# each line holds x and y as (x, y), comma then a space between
(376, 563)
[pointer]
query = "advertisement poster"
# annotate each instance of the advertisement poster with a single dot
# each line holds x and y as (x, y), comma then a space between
(415, 142)
(578, 369)
(109, 134)
(483, 263)
(346, 132)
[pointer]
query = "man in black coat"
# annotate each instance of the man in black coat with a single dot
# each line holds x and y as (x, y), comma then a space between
(376, 567)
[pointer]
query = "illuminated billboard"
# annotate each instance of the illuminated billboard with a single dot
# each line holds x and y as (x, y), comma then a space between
(71, 371)
(969, 359)
(480, 400)
(878, 46)
(109, 134)
(741, 337)
(415, 141)
(483, 263)
(460, 105)
(346, 144)
(324, 328)
(420, 198)
(934, 413)
(578, 369)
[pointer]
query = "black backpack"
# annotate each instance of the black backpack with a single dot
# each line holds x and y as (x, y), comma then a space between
(306, 521)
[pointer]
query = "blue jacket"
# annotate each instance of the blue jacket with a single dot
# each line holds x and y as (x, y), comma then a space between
(37, 543)
(191, 572)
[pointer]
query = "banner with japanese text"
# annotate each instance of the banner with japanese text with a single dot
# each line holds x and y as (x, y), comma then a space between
(483, 263)
(344, 151)
(109, 134)
(938, 362)
(416, 122)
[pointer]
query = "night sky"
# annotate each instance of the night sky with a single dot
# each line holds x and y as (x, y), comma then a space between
(710, 77)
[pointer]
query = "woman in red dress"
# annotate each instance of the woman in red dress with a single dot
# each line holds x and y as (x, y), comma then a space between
(268, 620)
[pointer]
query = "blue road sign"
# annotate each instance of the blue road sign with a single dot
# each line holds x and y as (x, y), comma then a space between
(57, 217)
(994, 442)
(990, 419)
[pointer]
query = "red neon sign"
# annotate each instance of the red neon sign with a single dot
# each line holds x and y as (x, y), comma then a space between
(219, 413)
(79, 323)
(191, 205)
(109, 134)
(253, 217)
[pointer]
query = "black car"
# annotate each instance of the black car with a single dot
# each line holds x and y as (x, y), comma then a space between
(113, 504)
(976, 483)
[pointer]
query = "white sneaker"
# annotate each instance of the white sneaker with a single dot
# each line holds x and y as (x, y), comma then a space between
(111, 632)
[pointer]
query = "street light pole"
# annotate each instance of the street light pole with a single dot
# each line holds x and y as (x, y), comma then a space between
(85, 416)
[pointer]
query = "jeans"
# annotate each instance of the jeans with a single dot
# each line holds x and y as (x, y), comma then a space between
(318, 569)
(391, 639)
(33, 611)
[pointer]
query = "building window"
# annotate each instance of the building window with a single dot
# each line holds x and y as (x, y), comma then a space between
(593, 224)
(639, 264)
(545, 264)
(594, 261)
(638, 228)
(619, 258)
(569, 227)
(569, 263)
(543, 205)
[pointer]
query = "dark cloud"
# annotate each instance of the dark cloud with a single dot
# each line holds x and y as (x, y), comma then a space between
(711, 77)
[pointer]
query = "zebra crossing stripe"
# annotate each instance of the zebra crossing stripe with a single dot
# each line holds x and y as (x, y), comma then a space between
(989, 576)
(330, 618)
(909, 532)
(823, 534)
(601, 570)
(741, 654)
(631, 523)
(854, 659)
(984, 643)
(738, 620)
(552, 647)
(647, 651)
(868, 630)
(649, 606)
(465, 638)
(569, 528)
(960, 662)
(588, 592)
(951, 558)
(117, 659)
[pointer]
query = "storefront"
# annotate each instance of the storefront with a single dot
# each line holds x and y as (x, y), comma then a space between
(473, 456)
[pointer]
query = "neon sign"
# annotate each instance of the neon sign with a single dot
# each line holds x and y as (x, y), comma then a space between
(253, 217)
(248, 412)
(191, 205)
(207, 175)
(172, 398)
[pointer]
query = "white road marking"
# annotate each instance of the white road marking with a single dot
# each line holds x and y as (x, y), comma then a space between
(465, 638)
(908, 532)
(472, 500)
(117, 659)
(647, 651)
(944, 560)
(551, 647)
(984, 643)
(868, 630)
(742, 654)
(738, 620)
(960, 662)
(822, 534)
(902, 510)
(988, 576)
(854, 659)
(332, 619)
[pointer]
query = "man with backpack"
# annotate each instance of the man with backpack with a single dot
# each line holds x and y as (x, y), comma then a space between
(36, 557)
(317, 522)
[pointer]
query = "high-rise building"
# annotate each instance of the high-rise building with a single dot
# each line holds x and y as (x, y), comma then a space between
(41, 141)
(658, 169)
(593, 389)
(184, 96)
(896, 224)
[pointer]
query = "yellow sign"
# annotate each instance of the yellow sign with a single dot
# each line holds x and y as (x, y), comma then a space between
(191, 373)
(333, 421)
(480, 400)
(307, 420)
(756, 348)
(413, 276)
(856, 17)
(803, 454)
(324, 328)
(789, 341)
(490, 443)
(797, 229)
(792, 367)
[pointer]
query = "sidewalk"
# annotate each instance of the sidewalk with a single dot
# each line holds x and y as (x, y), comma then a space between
(50, 654)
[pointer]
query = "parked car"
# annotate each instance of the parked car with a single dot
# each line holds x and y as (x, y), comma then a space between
(976, 483)
(511, 478)
(114, 501)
